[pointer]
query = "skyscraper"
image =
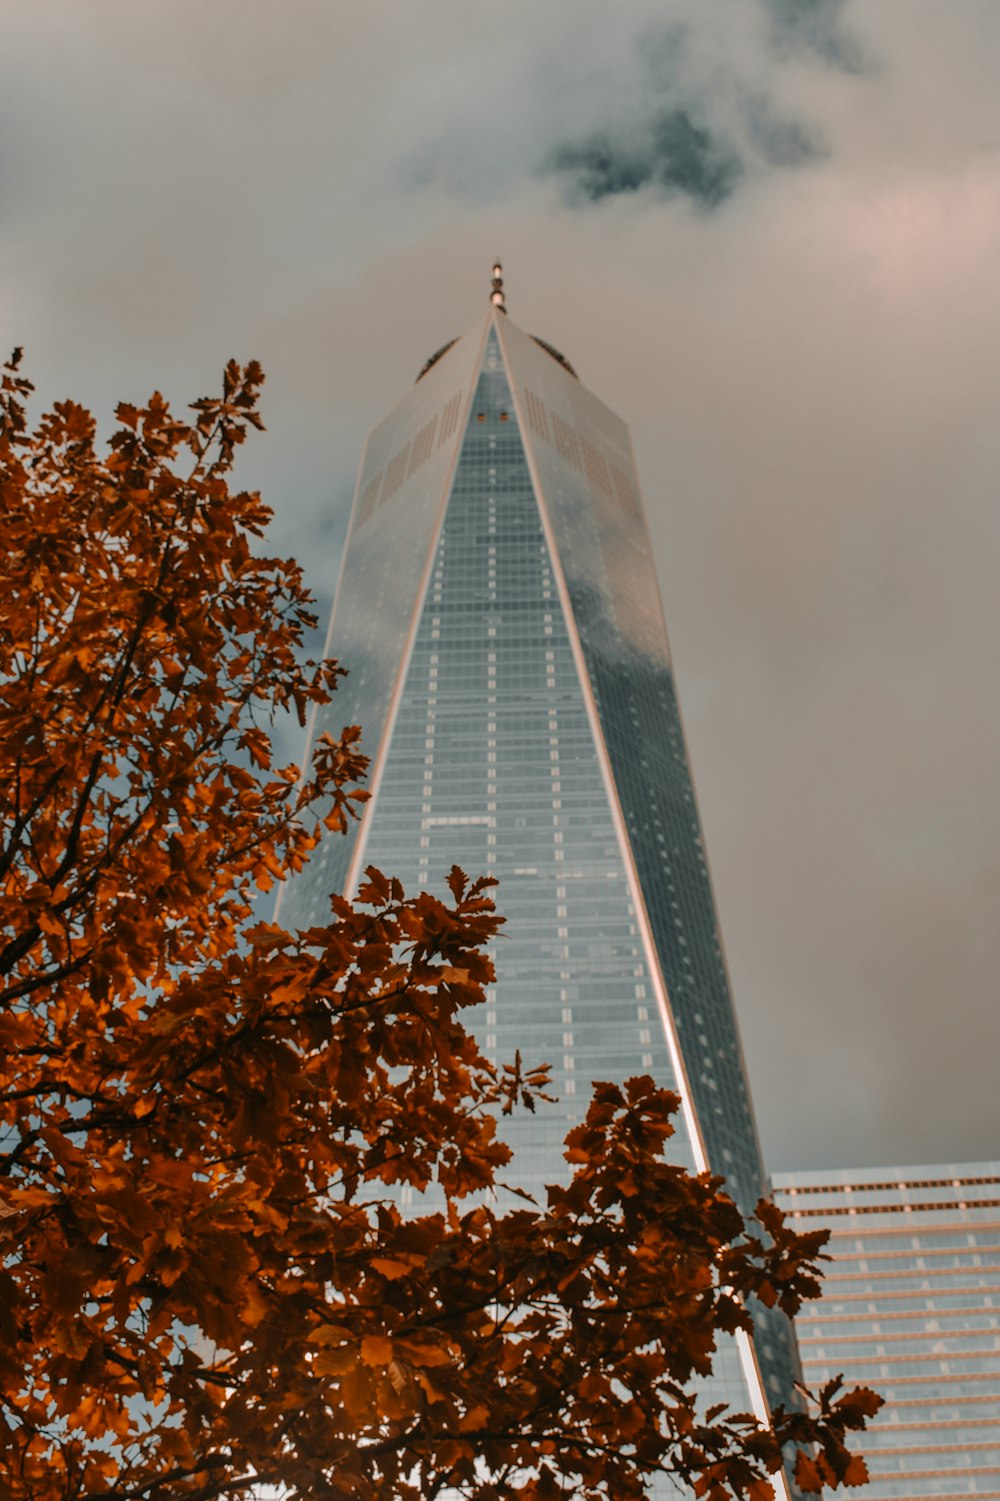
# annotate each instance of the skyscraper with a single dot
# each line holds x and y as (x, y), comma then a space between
(911, 1307)
(499, 616)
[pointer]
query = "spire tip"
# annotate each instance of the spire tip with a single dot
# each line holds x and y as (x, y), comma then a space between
(497, 297)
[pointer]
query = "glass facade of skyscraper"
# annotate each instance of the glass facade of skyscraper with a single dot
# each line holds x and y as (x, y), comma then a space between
(911, 1307)
(499, 616)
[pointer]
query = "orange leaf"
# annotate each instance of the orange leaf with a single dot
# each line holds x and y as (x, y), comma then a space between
(376, 1350)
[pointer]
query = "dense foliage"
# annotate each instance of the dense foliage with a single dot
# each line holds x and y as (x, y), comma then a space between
(205, 1280)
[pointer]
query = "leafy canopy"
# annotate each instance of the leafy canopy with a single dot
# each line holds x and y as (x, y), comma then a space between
(206, 1283)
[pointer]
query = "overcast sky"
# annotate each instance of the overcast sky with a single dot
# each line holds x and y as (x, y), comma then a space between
(768, 234)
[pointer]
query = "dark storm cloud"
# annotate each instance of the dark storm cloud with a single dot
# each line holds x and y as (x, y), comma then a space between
(673, 155)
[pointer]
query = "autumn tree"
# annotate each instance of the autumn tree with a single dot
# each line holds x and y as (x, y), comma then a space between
(206, 1283)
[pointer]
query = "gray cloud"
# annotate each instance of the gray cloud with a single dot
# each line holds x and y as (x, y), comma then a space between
(808, 373)
(817, 27)
(674, 155)
(698, 123)
(656, 108)
(781, 141)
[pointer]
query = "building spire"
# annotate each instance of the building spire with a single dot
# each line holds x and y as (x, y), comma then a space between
(496, 293)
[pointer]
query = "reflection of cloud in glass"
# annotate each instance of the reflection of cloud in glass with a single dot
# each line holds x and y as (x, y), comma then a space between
(397, 505)
(583, 458)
